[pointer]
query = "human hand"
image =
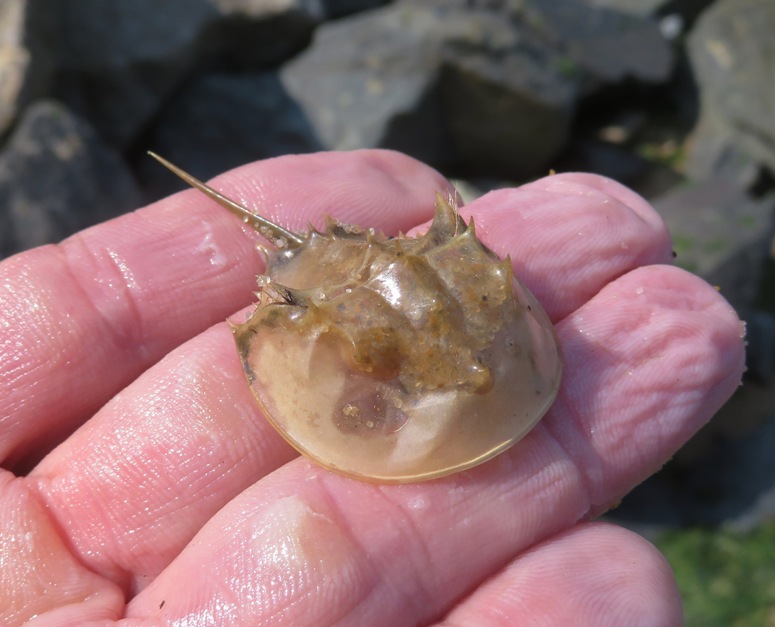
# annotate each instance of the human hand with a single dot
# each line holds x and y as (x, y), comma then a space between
(175, 501)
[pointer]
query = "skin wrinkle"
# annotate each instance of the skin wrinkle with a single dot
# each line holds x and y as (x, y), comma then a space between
(560, 468)
(585, 463)
(596, 472)
(360, 568)
(411, 535)
(94, 557)
(48, 520)
(125, 329)
(335, 512)
(398, 595)
(102, 514)
(582, 183)
(571, 431)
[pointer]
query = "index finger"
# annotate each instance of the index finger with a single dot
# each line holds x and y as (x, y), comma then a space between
(82, 319)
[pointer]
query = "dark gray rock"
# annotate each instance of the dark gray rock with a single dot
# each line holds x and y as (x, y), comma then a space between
(731, 481)
(57, 177)
(686, 9)
(221, 121)
(608, 159)
(27, 54)
(674, 17)
(634, 7)
(457, 84)
(607, 45)
(340, 8)
(732, 51)
(121, 60)
(714, 150)
(760, 351)
(721, 234)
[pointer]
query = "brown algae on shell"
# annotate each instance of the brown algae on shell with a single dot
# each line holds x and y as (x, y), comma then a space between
(399, 359)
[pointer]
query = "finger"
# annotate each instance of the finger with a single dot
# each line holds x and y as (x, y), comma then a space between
(81, 320)
(313, 544)
(646, 363)
(569, 235)
(594, 574)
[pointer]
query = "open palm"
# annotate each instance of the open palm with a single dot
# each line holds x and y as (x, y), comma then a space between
(148, 488)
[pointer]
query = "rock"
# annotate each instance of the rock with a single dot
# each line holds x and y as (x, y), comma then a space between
(732, 51)
(686, 9)
(731, 483)
(634, 7)
(27, 53)
(480, 87)
(340, 8)
(721, 234)
(221, 121)
(760, 350)
(715, 151)
(674, 17)
(57, 177)
(121, 60)
(761, 512)
(607, 45)
(608, 159)
(456, 84)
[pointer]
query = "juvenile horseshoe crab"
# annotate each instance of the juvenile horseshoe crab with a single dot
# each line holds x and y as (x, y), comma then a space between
(393, 360)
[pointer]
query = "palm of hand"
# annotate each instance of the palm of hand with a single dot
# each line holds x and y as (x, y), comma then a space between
(175, 501)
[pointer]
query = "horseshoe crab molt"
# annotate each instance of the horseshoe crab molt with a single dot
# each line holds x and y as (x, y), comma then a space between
(394, 359)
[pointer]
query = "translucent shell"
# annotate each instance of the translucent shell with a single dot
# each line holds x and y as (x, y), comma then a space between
(396, 359)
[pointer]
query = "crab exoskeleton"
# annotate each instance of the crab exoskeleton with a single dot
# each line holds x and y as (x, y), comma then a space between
(394, 359)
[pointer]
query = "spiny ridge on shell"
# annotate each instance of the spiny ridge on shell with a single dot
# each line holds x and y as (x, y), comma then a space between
(397, 306)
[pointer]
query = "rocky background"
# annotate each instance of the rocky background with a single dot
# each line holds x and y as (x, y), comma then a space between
(675, 98)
